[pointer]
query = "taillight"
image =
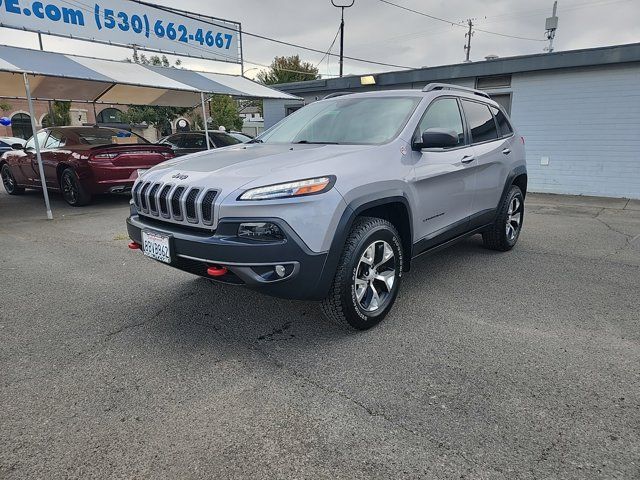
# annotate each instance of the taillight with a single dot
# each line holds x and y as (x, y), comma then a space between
(105, 156)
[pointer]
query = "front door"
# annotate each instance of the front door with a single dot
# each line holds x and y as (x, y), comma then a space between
(29, 160)
(444, 177)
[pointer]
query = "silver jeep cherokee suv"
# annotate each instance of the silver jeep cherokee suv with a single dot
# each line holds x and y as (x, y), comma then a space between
(334, 202)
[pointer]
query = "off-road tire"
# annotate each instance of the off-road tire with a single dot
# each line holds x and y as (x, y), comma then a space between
(72, 190)
(9, 181)
(496, 238)
(341, 305)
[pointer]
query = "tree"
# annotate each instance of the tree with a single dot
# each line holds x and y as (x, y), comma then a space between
(153, 115)
(224, 112)
(288, 69)
(61, 114)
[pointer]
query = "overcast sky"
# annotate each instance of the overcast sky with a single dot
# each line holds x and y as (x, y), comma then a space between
(381, 32)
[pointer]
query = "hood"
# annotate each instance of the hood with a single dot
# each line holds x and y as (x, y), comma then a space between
(233, 167)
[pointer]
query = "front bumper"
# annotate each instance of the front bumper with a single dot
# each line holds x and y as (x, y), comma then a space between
(250, 263)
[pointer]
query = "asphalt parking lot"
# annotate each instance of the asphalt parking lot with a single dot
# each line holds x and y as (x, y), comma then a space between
(516, 365)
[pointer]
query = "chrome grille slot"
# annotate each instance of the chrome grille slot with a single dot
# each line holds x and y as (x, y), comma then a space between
(163, 204)
(190, 204)
(207, 207)
(153, 204)
(175, 203)
(143, 197)
(136, 192)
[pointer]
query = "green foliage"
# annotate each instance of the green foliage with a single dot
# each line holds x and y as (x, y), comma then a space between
(4, 106)
(288, 69)
(224, 111)
(61, 115)
(152, 115)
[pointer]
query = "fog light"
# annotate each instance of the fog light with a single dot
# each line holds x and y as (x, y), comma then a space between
(280, 270)
(263, 231)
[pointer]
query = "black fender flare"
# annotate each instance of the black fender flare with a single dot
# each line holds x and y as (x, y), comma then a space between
(351, 212)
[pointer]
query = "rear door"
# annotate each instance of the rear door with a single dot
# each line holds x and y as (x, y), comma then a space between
(491, 154)
(444, 177)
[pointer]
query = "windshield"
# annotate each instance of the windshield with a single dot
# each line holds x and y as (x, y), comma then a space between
(106, 136)
(363, 120)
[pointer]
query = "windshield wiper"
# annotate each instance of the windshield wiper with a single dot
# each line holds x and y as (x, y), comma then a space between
(255, 140)
(316, 143)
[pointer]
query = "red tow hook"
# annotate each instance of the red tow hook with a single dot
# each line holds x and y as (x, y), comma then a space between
(216, 271)
(135, 246)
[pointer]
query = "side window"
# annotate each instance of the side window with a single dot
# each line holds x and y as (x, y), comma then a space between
(42, 136)
(222, 139)
(173, 141)
(55, 140)
(444, 114)
(194, 140)
(481, 123)
(504, 126)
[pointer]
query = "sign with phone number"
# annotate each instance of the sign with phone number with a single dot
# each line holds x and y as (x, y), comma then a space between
(125, 23)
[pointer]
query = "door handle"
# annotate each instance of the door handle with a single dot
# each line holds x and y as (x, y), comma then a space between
(468, 159)
(506, 151)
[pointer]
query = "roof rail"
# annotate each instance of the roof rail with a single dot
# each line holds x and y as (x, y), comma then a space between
(336, 94)
(447, 86)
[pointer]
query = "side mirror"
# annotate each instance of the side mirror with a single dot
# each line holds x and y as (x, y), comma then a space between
(437, 138)
(17, 146)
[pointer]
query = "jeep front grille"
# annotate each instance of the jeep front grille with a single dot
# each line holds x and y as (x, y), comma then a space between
(175, 203)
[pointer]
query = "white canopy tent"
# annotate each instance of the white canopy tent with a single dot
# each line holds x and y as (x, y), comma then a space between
(38, 75)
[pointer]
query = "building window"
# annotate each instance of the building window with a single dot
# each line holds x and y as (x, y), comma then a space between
(495, 81)
(110, 115)
(21, 126)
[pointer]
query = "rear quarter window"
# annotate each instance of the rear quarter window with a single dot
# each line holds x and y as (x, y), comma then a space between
(504, 127)
(483, 127)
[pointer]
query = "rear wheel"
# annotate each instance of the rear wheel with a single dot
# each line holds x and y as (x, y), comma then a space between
(9, 181)
(504, 232)
(368, 276)
(72, 190)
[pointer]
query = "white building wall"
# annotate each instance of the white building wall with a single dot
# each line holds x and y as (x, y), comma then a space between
(587, 123)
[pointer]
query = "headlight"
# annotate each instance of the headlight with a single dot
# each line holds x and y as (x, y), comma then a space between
(299, 188)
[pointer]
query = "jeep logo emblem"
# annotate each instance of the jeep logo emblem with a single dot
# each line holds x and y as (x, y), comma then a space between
(180, 176)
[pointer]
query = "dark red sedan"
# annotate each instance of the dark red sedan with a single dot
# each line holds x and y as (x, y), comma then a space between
(81, 162)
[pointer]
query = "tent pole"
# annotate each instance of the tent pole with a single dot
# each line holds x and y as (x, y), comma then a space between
(32, 113)
(204, 119)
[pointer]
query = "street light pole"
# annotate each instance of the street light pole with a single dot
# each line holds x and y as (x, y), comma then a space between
(342, 6)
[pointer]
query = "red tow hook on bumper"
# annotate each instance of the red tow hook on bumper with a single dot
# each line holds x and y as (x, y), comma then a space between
(135, 246)
(216, 271)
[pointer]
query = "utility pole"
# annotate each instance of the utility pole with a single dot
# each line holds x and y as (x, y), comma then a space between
(551, 25)
(342, 6)
(468, 36)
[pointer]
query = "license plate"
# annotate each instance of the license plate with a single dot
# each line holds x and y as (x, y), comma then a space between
(156, 245)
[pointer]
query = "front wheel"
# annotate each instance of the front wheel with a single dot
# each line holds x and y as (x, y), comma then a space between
(9, 181)
(72, 190)
(368, 276)
(504, 232)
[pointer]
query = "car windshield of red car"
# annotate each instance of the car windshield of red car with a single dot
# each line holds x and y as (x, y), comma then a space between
(103, 136)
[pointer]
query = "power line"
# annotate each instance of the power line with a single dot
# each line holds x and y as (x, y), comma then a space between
(275, 40)
(87, 9)
(329, 49)
(459, 24)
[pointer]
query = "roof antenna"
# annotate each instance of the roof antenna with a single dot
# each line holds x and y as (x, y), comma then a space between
(551, 26)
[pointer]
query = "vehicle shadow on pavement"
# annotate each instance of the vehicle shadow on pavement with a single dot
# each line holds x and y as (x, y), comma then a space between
(200, 312)
(31, 205)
